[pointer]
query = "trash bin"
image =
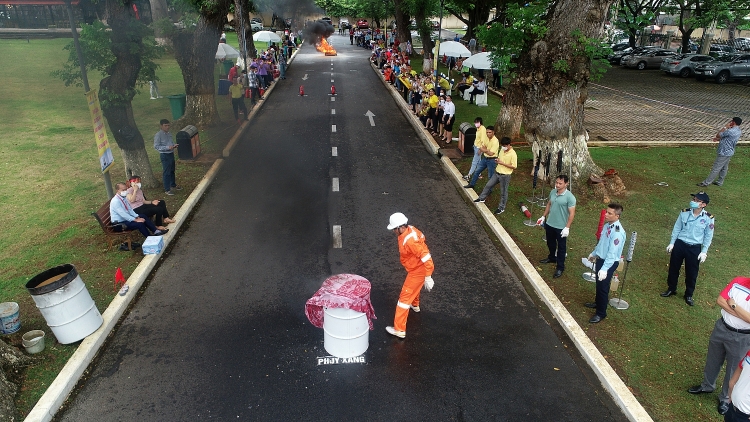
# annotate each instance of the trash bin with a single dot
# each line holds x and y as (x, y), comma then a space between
(228, 65)
(189, 143)
(224, 85)
(65, 303)
(177, 104)
(467, 133)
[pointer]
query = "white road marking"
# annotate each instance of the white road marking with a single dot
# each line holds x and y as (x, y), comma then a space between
(335, 184)
(337, 237)
(333, 111)
(370, 115)
(331, 80)
(334, 151)
(333, 128)
(333, 98)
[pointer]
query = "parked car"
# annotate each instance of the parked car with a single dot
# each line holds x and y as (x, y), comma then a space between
(344, 24)
(435, 25)
(648, 59)
(622, 56)
(257, 19)
(717, 50)
(725, 68)
(362, 24)
(255, 26)
(742, 44)
(327, 20)
(684, 64)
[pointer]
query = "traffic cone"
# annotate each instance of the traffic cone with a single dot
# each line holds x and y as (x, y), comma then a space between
(301, 90)
(333, 90)
(525, 210)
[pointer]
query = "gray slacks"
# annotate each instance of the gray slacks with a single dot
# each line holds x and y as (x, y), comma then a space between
(723, 344)
(504, 181)
(719, 169)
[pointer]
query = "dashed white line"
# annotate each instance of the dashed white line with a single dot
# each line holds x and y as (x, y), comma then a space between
(333, 111)
(333, 98)
(334, 151)
(335, 184)
(337, 237)
(333, 128)
(331, 80)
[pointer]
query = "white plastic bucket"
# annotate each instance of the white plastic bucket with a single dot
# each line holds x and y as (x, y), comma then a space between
(65, 304)
(346, 333)
(10, 320)
(33, 341)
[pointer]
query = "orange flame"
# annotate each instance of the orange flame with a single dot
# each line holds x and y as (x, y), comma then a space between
(326, 48)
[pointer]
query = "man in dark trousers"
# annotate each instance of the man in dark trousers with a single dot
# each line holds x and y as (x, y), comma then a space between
(163, 143)
(606, 258)
(561, 209)
(729, 340)
(691, 238)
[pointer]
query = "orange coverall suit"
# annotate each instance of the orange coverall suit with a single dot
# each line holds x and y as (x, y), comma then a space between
(416, 258)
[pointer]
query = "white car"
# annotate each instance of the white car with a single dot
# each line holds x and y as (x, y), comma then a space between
(255, 26)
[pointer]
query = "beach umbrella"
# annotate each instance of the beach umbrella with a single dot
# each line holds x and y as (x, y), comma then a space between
(266, 36)
(479, 61)
(453, 49)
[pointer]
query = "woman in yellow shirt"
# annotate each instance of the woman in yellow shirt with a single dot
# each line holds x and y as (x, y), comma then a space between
(433, 102)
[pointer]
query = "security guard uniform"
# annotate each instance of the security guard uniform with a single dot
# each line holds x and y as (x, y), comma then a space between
(691, 236)
(608, 252)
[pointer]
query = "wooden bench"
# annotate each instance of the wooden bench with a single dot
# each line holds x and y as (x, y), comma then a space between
(113, 234)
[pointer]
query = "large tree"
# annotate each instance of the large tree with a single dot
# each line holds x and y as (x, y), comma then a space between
(551, 48)
(634, 15)
(473, 12)
(124, 52)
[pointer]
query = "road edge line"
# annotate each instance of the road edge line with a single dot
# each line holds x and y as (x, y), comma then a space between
(612, 382)
(56, 394)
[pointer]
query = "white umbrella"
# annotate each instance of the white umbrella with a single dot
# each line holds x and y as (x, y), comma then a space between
(266, 36)
(226, 51)
(479, 61)
(453, 49)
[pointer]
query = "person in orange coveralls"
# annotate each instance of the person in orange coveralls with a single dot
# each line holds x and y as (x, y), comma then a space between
(416, 258)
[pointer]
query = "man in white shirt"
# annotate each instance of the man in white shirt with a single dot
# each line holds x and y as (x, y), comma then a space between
(480, 87)
(121, 212)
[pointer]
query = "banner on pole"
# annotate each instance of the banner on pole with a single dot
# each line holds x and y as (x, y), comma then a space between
(100, 132)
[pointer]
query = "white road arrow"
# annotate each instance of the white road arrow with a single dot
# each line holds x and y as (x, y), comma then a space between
(370, 115)
(304, 78)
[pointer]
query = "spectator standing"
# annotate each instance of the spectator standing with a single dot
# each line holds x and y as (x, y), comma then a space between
(489, 152)
(253, 83)
(727, 139)
(145, 208)
(351, 36)
(559, 214)
(263, 74)
(480, 140)
(507, 161)
(729, 341)
(606, 259)
(416, 259)
(691, 237)
(154, 90)
(163, 143)
(433, 101)
(233, 72)
(237, 98)
(282, 66)
(121, 212)
(739, 393)
(449, 116)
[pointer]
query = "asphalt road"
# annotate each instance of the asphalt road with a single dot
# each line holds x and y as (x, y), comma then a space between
(221, 334)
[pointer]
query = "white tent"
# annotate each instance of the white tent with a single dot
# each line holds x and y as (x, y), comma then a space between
(225, 51)
(479, 61)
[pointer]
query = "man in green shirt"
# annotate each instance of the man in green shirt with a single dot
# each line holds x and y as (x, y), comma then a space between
(559, 214)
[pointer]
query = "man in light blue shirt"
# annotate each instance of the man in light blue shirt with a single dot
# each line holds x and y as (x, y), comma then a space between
(727, 139)
(691, 237)
(606, 258)
(163, 143)
(121, 212)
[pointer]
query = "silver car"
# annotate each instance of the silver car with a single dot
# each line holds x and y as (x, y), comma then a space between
(684, 64)
(648, 59)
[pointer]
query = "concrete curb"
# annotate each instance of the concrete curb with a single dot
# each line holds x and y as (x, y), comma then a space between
(604, 371)
(48, 405)
(424, 136)
(56, 394)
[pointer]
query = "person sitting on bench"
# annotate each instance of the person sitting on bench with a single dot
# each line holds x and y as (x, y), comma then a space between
(121, 212)
(145, 208)
(480, 87)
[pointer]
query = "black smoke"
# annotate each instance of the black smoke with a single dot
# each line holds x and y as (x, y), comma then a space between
(315, 31)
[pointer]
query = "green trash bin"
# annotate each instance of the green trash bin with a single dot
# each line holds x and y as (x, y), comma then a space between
(177, 104)
(228, 65)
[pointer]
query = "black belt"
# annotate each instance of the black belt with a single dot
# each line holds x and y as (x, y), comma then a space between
(742, 414)
(736, 330)
(488, 158)
(690, 244)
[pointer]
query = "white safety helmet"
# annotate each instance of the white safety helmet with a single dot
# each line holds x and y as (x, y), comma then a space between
(397, 220)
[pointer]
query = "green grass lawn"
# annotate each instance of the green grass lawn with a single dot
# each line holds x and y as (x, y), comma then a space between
(50, 183)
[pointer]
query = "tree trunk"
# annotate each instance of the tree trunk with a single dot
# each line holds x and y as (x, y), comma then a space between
(549, 103)
(402, 22)
(118, 89)
(159, 11)
(195, 52)
(12, 362)
(685, 30)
